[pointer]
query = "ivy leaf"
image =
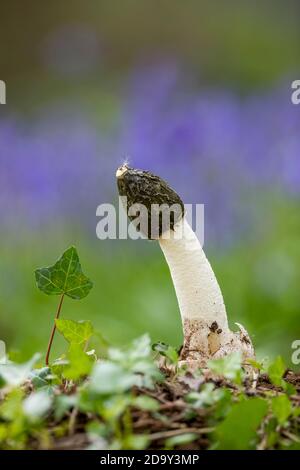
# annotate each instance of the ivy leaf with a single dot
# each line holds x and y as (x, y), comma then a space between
(64, 277)
(282, 408)
(38, 377)
(109, 378)
(143, 402)
(75, 332)
(208, 396)
(229, 367)
(166, 351)
(180, 440)
(80, 363)
(137, 359)
(276, 371)
(11, 407)
(64, 403)
(58, 367)
(238, 430)
(36, 405)
(16, 374)
(135, 442)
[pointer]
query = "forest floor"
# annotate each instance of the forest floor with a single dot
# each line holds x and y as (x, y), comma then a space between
(182, 428)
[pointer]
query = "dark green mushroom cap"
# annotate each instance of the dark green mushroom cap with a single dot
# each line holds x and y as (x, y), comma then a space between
(143, 187)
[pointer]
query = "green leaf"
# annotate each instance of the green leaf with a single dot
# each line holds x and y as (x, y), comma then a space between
(80, 363)
(64, 277)
(160, 347)
(137, 359)
(11, 407)
(135, 442)
(180, 440)
(166, 351)
(16, 374)
(296, 411)
(36, 405)
(140, 348)
(133, 366)
(143, 402)
(109, 378)
(290, 446)
(38, 377)
(64, 403)
(289, 388)
(276, 371)
(229, 367)
(238, 430)
(206, 397)
(75, 332)
(58, 367)
(257, 365)
(282, 408)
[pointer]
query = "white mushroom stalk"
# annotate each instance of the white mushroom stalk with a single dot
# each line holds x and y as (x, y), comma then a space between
(203, 313)
(204, 319)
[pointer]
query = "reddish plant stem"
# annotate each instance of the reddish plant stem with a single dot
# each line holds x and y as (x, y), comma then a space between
(53, 329)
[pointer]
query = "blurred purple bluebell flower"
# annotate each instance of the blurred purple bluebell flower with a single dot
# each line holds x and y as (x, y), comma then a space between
(212, 146)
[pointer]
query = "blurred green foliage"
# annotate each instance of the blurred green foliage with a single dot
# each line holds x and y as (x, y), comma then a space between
(133, 291)
(106, 392)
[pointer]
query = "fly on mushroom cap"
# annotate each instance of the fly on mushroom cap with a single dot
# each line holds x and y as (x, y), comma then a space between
(162, 205)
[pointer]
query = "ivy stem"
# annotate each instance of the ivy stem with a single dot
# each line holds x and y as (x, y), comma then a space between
(53, 329)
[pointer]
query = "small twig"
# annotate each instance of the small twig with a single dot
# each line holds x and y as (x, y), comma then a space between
(291, 436)
(173, 404)
(176, 432)
(72, 420)
(154, 395)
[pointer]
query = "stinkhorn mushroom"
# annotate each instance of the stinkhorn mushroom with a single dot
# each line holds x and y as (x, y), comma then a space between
(204, 319)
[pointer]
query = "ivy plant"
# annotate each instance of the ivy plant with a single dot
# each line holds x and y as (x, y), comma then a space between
(64, 278)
